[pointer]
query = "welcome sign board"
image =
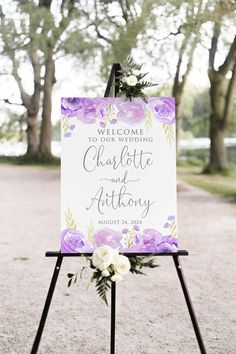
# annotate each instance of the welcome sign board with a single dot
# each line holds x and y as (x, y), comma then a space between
(118, 174)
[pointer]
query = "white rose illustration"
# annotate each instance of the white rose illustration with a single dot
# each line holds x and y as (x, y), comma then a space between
(121, 265)
(103, 257)
(131, 80)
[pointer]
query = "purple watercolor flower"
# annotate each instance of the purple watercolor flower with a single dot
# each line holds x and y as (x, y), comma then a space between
(125, 231)
(171, 217)
(136, 227)
(73, 241)
(71, 105)
(108, 237)
(72, 127)
(131, 112)
(93, 110)
(102, 124)
(113, 121)
(163, 109)
(67, 135)
(152, 241)
(166, 225)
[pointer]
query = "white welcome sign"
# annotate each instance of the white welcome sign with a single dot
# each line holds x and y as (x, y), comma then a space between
(118, 175)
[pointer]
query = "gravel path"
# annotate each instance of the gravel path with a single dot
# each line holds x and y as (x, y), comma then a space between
(151, 314)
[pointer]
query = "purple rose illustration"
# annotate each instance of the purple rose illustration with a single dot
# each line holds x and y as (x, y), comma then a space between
(73, 241)
(163, 109)
(93, 110)
(151, 240)
(131, 112)
(71, 105)
(108, 237)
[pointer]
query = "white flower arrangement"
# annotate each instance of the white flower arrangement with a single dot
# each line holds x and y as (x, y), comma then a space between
(110, 266)
(131, 81)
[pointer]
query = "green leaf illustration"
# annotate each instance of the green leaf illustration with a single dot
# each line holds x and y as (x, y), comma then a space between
(70, 221)
(65, 123)
(90, 232)
(169, 133)
(148, 120)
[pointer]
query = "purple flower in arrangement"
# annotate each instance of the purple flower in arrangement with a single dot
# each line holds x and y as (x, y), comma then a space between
(131, 112)
(108, 237)
(166, 225)
(163, 109)
(67, 135)
(71, 105)
(72, 127)
(136, 227)
(73, 241)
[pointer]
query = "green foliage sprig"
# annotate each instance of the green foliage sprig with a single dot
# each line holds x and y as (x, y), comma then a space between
(103, 283)
(131, 83)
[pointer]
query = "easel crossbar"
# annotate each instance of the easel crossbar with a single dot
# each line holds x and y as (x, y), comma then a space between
(127, 254)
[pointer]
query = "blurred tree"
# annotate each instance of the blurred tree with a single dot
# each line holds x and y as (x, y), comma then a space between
(13, 127)
(118, 24)
(13, 47)
(222, 93)
(190, 31)
(35, 34)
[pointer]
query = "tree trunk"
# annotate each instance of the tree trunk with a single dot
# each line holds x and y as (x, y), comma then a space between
(46, 127)
(32, 134)
(178, 97)
(218, 153)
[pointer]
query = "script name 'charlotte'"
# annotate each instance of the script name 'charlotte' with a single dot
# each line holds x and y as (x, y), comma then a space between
(94, 158)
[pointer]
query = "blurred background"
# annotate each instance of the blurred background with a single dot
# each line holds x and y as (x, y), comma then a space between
(54, 48)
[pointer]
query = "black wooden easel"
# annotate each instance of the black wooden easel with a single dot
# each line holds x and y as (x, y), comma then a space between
(112, 90)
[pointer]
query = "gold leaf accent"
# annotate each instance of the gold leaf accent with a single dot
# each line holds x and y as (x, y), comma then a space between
(65, 123)
(172, 228)
(148, 121)
(70, 221)
(129, 238)
(90, 232)
(169, 133)
(109, 113)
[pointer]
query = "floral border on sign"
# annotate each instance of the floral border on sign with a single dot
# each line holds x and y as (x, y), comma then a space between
(104, 111)
(134, 240)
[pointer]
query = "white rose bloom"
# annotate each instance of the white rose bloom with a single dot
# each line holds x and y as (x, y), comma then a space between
(105, 273)
(131, 80)
(135, 72)
(103, 257)
(122, 265)
(116, 277)
(124, 79)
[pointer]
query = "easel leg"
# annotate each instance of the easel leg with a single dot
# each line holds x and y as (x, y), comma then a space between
(189, 304)
(113, 317)
(47, 305)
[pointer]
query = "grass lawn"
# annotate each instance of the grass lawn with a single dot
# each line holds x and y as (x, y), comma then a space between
(53, 162)
(224, 185)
